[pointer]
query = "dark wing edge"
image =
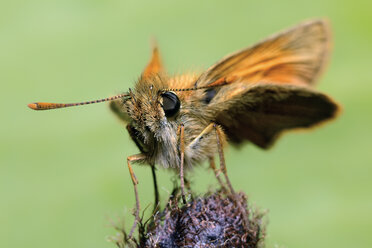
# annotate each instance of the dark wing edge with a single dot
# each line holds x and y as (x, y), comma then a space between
(264, 111)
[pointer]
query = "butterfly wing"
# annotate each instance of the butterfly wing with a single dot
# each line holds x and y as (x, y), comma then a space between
(294, 56)
(267, 87)
(263, 111)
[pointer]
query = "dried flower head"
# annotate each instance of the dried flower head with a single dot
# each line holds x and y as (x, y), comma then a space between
(213, 220)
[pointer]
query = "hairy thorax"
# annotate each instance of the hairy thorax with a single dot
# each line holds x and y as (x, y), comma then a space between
(158, 136)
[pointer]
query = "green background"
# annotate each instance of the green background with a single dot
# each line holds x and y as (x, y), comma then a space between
(63, 172)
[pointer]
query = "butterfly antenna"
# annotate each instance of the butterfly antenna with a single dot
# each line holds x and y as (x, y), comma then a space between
(217, 83)
(48, 105)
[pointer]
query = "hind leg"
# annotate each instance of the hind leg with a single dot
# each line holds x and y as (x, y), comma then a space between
(220, 137)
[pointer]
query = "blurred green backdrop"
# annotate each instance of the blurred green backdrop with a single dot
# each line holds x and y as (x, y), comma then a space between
(63, 173)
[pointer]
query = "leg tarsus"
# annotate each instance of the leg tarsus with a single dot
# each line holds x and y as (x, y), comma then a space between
(217, 173)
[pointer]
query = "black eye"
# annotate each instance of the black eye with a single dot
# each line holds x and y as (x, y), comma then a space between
(171, 104)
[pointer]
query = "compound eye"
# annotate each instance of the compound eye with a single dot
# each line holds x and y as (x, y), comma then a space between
(171, 104)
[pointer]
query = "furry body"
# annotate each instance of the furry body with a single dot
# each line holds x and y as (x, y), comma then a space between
(157, 136)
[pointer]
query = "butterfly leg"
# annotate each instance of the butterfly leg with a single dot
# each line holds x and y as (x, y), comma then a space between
(195, 143)
(156, 191)
(182, 155)
(220, 137)
(135, 182)
(217, 172)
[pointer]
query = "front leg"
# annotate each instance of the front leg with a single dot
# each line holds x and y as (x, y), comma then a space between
(135, 182)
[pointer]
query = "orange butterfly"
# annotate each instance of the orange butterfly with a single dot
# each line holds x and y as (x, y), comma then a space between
(252, 95)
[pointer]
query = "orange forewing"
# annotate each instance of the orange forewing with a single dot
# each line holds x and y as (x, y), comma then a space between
(295, 56)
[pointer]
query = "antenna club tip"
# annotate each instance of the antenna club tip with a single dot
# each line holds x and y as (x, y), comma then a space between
(33, 106)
